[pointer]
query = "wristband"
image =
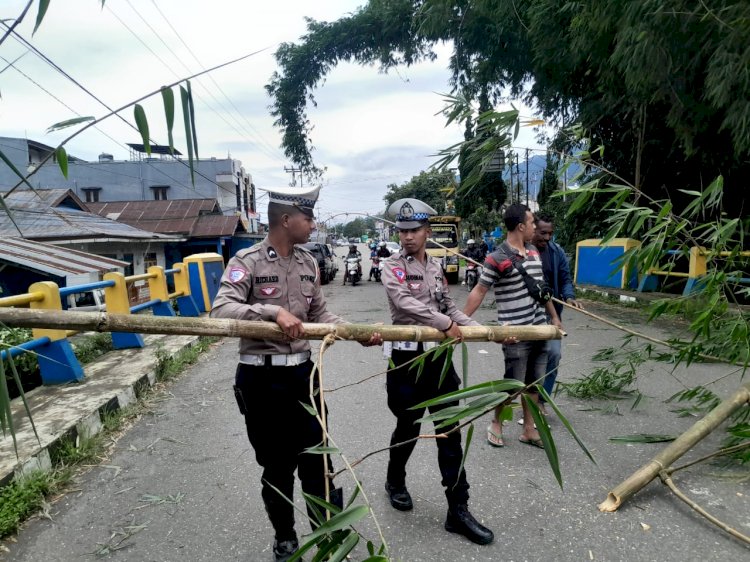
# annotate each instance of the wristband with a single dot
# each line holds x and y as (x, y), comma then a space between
(449, 327)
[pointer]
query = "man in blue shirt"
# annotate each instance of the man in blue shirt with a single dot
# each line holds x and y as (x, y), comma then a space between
(557, 274)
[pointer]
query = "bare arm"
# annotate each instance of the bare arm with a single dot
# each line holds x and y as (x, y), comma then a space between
(475, 298)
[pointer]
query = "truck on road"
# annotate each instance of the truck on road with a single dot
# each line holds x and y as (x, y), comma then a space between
(443, 244)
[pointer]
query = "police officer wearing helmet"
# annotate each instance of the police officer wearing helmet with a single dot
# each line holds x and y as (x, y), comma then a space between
(418, 295)
(280, 282)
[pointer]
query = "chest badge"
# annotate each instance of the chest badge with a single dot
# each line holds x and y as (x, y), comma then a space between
(269, 291)
(414, 286)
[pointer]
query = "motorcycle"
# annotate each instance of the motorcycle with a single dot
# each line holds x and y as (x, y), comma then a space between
(353, 272)
(473, 271)
(377, 268)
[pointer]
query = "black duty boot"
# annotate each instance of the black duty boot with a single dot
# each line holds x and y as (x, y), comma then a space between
(283, 550)
(399, 496)
(460, 521)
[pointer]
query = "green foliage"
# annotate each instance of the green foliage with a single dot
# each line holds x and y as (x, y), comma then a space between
(663, 84)
(21, 498)
(359, 227)
(26, 363)
(90, 348)
(168, 366)
(610, 382)
(430, 187)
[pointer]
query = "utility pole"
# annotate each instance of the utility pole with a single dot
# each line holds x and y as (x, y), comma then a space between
(527, 177)
(512, 185)
(518, 181)
(294, 171)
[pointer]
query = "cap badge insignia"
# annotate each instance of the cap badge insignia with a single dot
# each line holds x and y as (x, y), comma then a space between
(407, 211)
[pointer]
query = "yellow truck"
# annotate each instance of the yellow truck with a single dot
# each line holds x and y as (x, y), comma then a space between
(443, 244)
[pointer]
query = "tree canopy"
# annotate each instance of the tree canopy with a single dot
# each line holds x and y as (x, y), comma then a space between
(430, 187)
(663, 85)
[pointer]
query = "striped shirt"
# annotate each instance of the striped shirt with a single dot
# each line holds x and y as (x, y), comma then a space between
(515, 307)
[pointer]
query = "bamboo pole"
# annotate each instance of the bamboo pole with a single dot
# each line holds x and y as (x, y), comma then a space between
(137, 323)
(639, 479)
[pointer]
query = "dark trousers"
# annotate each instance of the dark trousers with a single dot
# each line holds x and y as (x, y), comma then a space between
(405, 391)
(280, 429)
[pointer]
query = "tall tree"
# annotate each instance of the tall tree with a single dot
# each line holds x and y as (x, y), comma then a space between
(431, 187)
(662, 84)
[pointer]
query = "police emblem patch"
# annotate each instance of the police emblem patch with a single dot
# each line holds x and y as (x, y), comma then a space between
(236, 274)
(399, 273)
(269, 291)
(271, 252)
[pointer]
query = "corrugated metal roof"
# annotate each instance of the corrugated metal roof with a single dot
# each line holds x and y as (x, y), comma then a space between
(51, 214)
(197, 218)
(54, 260)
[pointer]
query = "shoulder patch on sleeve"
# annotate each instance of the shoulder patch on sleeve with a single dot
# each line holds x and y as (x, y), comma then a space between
(236, 274)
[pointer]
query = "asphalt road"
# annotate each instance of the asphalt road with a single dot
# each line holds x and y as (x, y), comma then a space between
(183, 483)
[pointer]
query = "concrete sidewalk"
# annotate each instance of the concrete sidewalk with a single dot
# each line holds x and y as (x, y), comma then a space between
(113, 381)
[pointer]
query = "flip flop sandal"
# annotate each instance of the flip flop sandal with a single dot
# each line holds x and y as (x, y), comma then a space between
(494, 439)
(533, 442)
(520, 422)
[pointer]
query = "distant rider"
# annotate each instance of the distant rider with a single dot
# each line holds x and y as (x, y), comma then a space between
(473, 252)
(353, 253)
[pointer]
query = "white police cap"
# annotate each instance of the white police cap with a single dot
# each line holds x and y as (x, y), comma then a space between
(410, 213)
(303, 198)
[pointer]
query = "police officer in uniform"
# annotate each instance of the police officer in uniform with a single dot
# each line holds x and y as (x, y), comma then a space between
(418, 294)
(280, 282)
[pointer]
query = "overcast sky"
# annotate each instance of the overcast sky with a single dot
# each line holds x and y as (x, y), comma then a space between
(371, 129)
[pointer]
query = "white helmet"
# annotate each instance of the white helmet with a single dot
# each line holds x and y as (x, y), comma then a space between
(471, 241)
(382, 244)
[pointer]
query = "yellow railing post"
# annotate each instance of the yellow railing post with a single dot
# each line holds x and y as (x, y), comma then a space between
(116, 300)
(157, 288)
(58, 363)
(185, 301)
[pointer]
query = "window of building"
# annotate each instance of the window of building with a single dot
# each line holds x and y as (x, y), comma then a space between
(160, 192)
(129, 269)
(149, 260)
(92, 194)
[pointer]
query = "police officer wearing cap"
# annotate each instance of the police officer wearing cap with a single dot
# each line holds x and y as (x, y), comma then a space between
(418, 294)
(280, 282)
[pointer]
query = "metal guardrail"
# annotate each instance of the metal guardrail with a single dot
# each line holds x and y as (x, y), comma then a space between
(55, 354)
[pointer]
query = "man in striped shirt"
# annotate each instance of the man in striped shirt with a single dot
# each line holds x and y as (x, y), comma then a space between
(516, 306)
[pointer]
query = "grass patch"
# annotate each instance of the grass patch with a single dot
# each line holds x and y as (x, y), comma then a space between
(26, 495)
(168, 366)
(90, 348)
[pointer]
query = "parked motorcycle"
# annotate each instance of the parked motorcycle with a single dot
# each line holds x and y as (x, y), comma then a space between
(473, 271)
(353, 271)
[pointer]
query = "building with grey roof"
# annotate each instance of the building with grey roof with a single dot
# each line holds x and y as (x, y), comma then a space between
(159, 176)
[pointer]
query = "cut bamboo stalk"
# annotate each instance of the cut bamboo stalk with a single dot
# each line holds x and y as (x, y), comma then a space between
(640, 479)
(137, 323)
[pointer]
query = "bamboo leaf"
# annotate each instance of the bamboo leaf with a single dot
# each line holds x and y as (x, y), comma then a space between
(465, 363)
(340, 521)
(391, 364)
(62, 160)
(43, 5)
(192, 119)
(491, 387)
(469, 436)
(322, 450)
(346, 547)
(16, 171)
(447, 364)
(643, 438)
(22, 394)
(6, 416)
(310, 498)
(566, 423)
(310, 409)
(142, 124)
(546, 436)
(167, 97)
(69, 123)
(188, 130)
